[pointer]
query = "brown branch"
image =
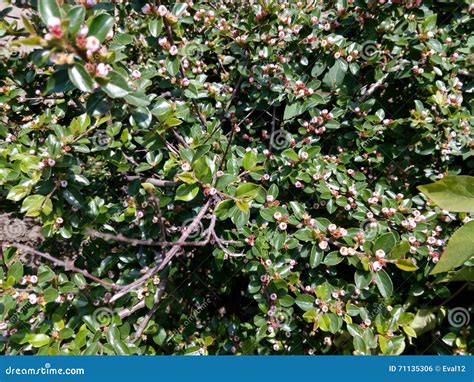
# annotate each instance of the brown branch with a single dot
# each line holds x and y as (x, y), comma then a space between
(373, 88)
(221, 245)
(67, 265)
(156, 303)
(169, 256)
(148, 242)
(129, 311)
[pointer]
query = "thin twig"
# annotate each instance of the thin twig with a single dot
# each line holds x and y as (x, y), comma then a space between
(221, 245)
(169, 256)
(156, 303)
(67, 265)
(373, 88)
(148, 242)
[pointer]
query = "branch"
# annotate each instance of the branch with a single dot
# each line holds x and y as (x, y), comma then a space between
(221, 245)
(156, 303)
(148, 242)
(373, 88)
(67, 265)
(169, 256)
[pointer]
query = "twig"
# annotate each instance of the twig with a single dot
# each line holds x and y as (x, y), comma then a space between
(169, 256)
(156, 303)
(180, 138)
(221, 245)
(148, 242)
(67, 265)
(129, 311)
(373, 88)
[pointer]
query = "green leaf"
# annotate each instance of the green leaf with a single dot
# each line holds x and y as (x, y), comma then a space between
(223, 209)
(425, 320)
(384, 283)
(247, 190)
(50, 294)
(335, 76)
(17, 193)
(101, 26)
(81, 78)
(48, 9)
(155, 26)
(399, 250)
(116, 86)
(305, 234)
(38, 340)
(406, 265)
(305, 302)
(243, 206)
(293, 110)
(32, 205)
(76, 17)
(460, 248)
(463, 274)
(15, 271)
(452, 193)
(187, 192)
(113, 338)
(249, 160)
(385, 242)
(172, 66)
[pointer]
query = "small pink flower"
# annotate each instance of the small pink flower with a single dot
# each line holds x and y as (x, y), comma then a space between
(92, 44)
(323, 244)
(380, 254)
(146, 9)
(102, 70)
(54, 27)
(162, 11)
(110, 35)
(83, 31)
(136, 75)
(174, 50)
(186, 166)
(282, 226)
(376, 266)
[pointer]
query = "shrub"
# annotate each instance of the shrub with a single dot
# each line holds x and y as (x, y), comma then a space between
(233, 177)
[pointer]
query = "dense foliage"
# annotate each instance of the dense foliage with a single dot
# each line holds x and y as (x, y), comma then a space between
(234, 177)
